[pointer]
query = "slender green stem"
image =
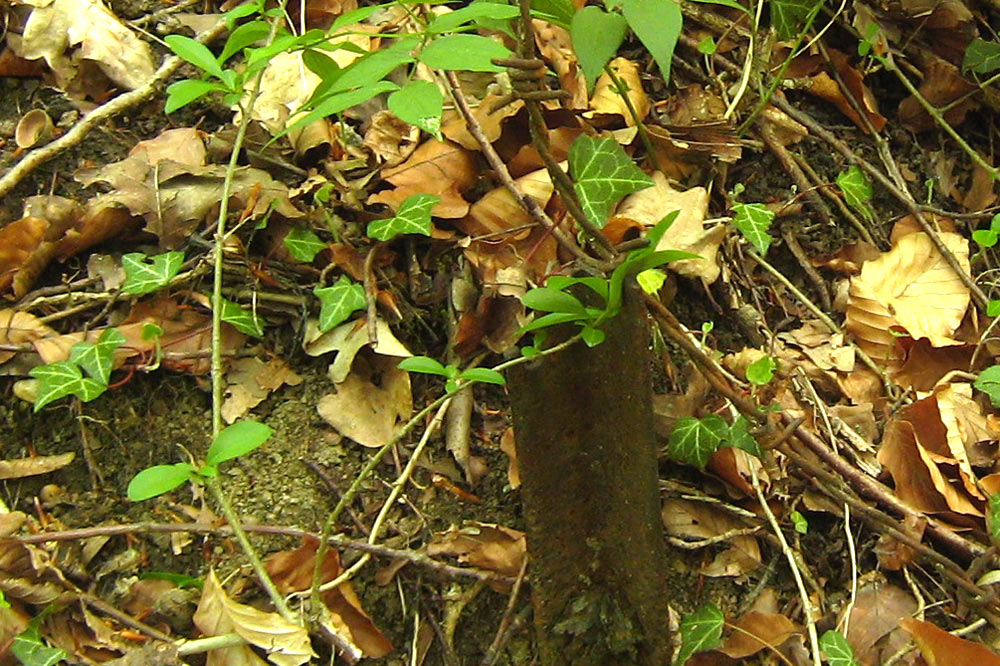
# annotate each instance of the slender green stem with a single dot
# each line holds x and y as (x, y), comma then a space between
(622, 89)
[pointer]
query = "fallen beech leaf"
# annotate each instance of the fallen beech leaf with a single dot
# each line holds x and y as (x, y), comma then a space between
(942, 84)
(483, 545)
(250, 380)
(755, 631)
(696, 520)
(456, 129)
(555, 46)
(940, 648)
(19, 327)
(366, 412)
(875, 615)
(607, 102)
(390, 139)
(910, 288)
(347, 340)
(498, 211)
(286, 644)
(67, 32)
(292, 571)
(18, 469)
(436, 167)
(19, 241)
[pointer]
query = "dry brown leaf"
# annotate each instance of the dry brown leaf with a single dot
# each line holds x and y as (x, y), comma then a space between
(292, 571)
(18, 469)
(286, 644)
(910, 289)
(347, 340)
(68, 32)
(873, 626)
(19, 327)
(508, 446)
(456, 129)
(483, 545)
(607, 102)
(755, 631)
(942, 84)
(498, 210)
(390, 139)
(981, 193)
(697, 520)
(250, 380)
(940, 648)
(20, 242)
(436, 167)
(369, 413)
(555, 46)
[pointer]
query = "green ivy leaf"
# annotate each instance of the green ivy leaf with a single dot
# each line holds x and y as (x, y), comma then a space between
(761, 371)
(413, 217)
(787, 16)
(693, 441)
(338, 302)
(195, 53)
(478, 10)
(244, 321)
(981, 57)
(484, 375)
(157, 480)
(596, 36)
(857, 190)
(468, 53)
(740, 437)
(420, 103)
(97, 359)
(603, 174)
(30, 650)
(63, 378)
(753, 221)
(236, 440)
(837, 650)
(657, 24)
(147, 274)
(303, 244)
(988, 382)
(700, 631)
(799, 522)
(423, 364)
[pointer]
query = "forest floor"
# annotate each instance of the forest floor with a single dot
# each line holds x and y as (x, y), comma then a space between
(840, 292)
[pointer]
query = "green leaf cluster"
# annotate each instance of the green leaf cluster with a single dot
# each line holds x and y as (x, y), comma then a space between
(562, 307)
(694, 440)
(63, 378)
(238, 439)
(451, 373)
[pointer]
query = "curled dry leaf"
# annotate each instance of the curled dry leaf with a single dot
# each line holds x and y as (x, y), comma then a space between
(286, 644)
(555, 46)
(347, 340)
(20, 327)
(441, 168)
(33, 127)
(390, 139)
(21, 246)
(688, 520)
(67, 32)
(607, 102)
(483, 545)
(490, 121)
(912, 290)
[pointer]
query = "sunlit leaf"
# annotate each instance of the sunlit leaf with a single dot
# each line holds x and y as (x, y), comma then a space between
(63, 378)
(145, 274)
(424, 364)
(97, 359)
(484, 375)
(693, 440)
(477, 10)
(338, 302)
(753, 221)
(421, 104)
(761, 371)
(195, 53)
(413, 217)
(154, 481)
(988, 382)
(236, 440)
(603, 174)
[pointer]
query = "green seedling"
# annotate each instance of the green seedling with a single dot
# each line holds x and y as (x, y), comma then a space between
(837, 650)
(761, 371)
(451, 373)
(238, 439)
(988, 237)
(799, 522)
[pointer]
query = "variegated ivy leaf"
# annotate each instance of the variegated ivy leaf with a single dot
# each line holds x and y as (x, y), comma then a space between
(700, 631)
(244, 321)
(303, 244)
(338, 302)
(63, 378)
(837, 650)
(857, 191)
(693, 441)
(753, 221)
(603, 175)
(413, 217)
(146, 274)
(98, 358)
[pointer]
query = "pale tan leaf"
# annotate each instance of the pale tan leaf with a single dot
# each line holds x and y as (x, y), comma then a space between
(18, 327)
(755, 631)
(483, 545)
(965, 426)
(498, 211)
(607, 101)
(250, 380)
(910, 288)
(436, 167)
(18, 469)
(369, 413)
(286, 644)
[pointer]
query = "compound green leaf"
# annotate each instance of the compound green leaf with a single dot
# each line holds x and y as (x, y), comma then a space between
(146, 274)
(477, 10)
(693, 441)
(981, 57)
(857, 190)
(421, 104)
(753, 221)
(596, 36)
(244, 321)
(195, 53)
(988, 382)
(413, 217)
(788, 16)
(157, 480)
(338, 302)
(97, 359)
(303, 244)
(236, 440)
(837, 650)
(63, 378)
(657, 24)
(603, 174)
(700, 631)
(469, 53)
